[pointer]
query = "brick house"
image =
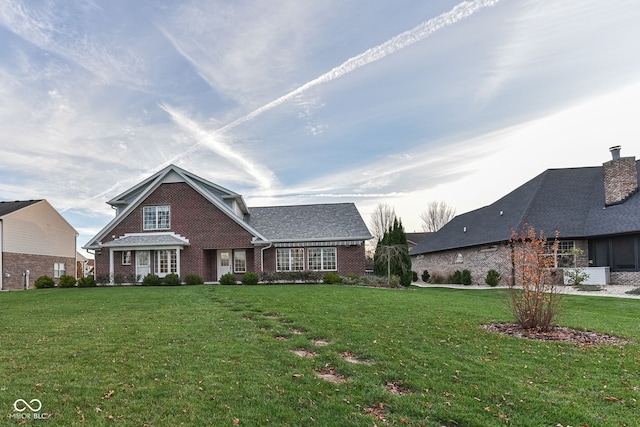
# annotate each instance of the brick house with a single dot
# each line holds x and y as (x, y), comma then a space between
(177, 222)
(596, 210)
(35, 240)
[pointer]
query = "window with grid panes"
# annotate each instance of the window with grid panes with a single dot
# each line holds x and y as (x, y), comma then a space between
(156, 218)
(322, 259)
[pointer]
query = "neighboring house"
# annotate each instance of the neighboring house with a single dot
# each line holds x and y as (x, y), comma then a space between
(177, 222)
(596, 210)
(416, 237)
(84, 266)
(35, 240)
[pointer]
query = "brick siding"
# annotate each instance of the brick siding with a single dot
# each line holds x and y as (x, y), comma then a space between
(480, 261)
(620, 179)
(38, 265)
(477, 260)
(208, 229)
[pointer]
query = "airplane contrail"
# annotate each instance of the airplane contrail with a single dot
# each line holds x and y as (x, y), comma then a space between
(401, 41)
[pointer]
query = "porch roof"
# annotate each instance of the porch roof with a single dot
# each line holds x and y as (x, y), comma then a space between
(140, 240)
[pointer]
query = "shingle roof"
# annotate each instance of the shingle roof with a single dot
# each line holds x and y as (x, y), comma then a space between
(148, 239)
(568, 200)
(339, 221)
(9, 207)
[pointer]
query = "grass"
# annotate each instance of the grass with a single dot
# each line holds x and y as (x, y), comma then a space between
(213, 355)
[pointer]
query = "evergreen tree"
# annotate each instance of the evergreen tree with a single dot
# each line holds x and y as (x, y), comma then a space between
(392, 254)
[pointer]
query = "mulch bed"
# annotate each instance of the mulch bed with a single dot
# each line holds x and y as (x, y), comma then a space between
(558, 333)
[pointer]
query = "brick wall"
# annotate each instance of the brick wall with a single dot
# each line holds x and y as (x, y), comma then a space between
(38, 265)
(350, 260)
(620, 179)
(208, 229)
(477, 260)
(193, 217)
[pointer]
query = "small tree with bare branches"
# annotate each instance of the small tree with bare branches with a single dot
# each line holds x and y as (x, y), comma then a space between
(436, 216)
(534, 297)
(381, 221)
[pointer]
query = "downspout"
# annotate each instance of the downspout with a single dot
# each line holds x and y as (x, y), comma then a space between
(262, 255)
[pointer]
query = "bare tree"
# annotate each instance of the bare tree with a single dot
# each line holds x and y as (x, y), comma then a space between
(436, 216)
(381, 220)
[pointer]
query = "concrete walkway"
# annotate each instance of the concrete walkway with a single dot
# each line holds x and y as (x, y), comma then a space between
(607, 291)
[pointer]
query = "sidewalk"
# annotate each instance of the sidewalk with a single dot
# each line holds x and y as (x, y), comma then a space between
(607, 291)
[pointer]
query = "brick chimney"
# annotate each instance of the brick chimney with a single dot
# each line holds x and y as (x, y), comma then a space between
(620, 178)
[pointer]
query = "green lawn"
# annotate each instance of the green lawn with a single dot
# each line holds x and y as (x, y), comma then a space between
(213, 355)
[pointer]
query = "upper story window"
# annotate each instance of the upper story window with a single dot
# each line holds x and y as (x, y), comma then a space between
(156, 218)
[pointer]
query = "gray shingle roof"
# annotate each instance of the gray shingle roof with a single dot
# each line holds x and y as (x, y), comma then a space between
(9, 207)
(568, 200)
(148, 239)
(339, 221)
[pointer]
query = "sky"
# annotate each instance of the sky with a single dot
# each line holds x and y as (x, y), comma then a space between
(288, 102)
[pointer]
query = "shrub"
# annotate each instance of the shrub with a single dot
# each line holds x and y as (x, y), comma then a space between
(438, 278)
(534, 299)
(351, 279)
(331, 278)
(87, 282)
(405, 279)
(414, 276)
(394, 281)
(269, 278)
(151, 280)
(103, 279)
(456, 277)
(171, 279)
(44, 282)
(193, 279)
(465, 277)
(228, 279)
(425, 276)
(66, 281)
(133, 278)
(575, 276)
(118, 279)
(250, 278)
(493, 278)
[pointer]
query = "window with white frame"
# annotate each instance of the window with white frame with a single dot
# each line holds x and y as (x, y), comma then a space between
(322, 259)
(290, 259)
(126, 257)
(166, 262)
(59, 269)
(565, 255)
(156, 218)
(240, 261)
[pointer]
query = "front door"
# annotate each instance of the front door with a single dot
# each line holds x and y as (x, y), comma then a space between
(143, 263)
(224, 262)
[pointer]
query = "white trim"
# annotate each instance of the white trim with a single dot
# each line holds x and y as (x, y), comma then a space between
(150, 185)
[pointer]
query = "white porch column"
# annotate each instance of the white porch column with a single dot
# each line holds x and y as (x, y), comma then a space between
(111, 271)
(178, 250)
